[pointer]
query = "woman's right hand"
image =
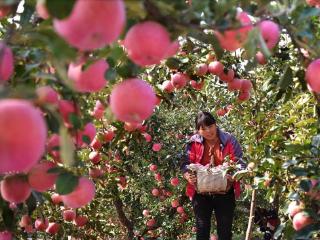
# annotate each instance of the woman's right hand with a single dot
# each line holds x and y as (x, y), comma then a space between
(190, 177)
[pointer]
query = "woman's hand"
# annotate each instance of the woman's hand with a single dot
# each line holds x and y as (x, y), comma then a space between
(190, 177)
(230, 181)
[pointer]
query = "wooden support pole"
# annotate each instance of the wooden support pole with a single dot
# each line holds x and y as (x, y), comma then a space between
(251, 217)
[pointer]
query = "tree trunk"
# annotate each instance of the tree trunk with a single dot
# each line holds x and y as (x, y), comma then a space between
(276, 202)
(122, 216)
(251, 217)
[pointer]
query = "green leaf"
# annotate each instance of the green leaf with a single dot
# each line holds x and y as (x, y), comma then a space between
(8, 217)
(116, 53)
(74, 120)
(286, 79)
(300, 75)
(56, 170)
(289, 163)
(38, 197)
(8, 2)
(184, 60)
(111, 62)
(128, 70)
(59, 9)
(86, 139)
(294, 196)
(216, 47)
(279, 231)
(67, 147)
(189, 45)
(52, 122)
(31, 203)
(240, 174)
(307, 231)
(265, 50)
(251, 43)
(307, 13)
(124, 71)
(279, 95)
(26, 14)
(173, 63)
(66, 183)
(299, 172)
(316, 141)
(135, 9)
(59, 47)
(288, 95)
(201, 36)
(305, 185)
(111, 75)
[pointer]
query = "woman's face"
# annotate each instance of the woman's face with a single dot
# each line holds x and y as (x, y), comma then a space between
(208, 132)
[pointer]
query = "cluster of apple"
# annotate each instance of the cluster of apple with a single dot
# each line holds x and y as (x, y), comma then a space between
(163, 194)
(23, 150)
(223, 111)
(180, 210)
(300, 218)
(242, 85)
(234, 39)
(146, 43)
(24, 139)
(43, 224)
(108, 135)
(313, 3)
(95, 155)
(180, 80)
(230, 40)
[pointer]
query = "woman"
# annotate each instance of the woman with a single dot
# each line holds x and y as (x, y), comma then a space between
(209, 142)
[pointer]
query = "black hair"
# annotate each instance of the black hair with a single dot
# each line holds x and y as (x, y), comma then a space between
(204, 119)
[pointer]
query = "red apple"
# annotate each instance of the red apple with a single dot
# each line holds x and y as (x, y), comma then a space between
(216, 68)
(81, 221)
(41, 224)
(174, 181)
(69, 215)
(301, 220)
(155, 192)
(53, 228)
(295, 207)
(313, 75)
(175, 203)
(151, 222)
(153, 167)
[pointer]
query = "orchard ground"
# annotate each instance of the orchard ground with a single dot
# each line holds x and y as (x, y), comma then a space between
(97, 103)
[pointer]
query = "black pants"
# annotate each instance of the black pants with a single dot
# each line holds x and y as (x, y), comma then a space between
(223, 206)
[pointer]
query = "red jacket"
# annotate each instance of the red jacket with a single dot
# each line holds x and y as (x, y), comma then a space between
(229, 147)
